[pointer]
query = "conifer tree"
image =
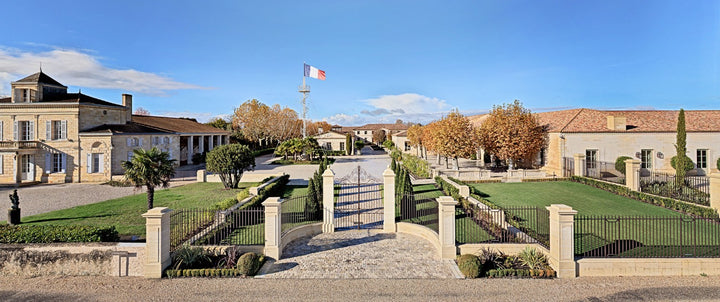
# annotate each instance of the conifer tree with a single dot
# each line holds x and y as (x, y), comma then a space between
(680, 149)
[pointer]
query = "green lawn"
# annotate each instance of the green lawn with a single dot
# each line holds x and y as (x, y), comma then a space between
(584, 199)
(124, 213)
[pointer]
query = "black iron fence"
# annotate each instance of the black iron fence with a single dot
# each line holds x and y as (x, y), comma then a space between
(508, 225)
(604, 171)
(209, 227)
(694, 189)
(646, 237)
(420, 209)
(300, 210)
(568, 167)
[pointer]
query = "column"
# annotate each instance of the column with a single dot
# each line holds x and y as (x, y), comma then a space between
(632, 174)
(190, 150)
(715, 191)
(201, 143)
(389, 201)
(446, 226)
(157, 238)
(211, 142)
(273, 224)
(562, 241)
(579, 166)
(328, 201)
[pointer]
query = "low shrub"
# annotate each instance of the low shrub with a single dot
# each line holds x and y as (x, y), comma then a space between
(689, 165)
(249, 263)
(243, 194)
(620, 163)
(51, 233)
(119, 183)
(225, 203)
(208, 272)
(257, 153)
(544, 179)
(667, 203)
(469, 265)
(532, 258)
(188, 257)
(273, 189)
(418, 167)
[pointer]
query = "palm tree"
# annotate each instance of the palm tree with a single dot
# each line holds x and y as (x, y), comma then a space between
(149, 168)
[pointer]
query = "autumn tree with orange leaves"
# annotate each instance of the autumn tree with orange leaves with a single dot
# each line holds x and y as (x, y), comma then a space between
(415, 137)
(455, 137)
(511, 132)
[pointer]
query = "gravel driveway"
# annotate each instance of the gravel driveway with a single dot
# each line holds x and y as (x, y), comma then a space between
(44, 198)
(201, 289)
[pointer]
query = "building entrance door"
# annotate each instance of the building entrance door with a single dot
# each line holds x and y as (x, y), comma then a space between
(26, 167)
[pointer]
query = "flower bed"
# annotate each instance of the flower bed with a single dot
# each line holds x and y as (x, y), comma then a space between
(530, 263)
(199, 262)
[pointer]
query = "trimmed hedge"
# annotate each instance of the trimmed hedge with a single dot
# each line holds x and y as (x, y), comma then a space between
(273, 189)
(667, 203)
(544, 179)
(50, 233)
(257, 153)
(520, 273)
(469, 265)
(204, 272)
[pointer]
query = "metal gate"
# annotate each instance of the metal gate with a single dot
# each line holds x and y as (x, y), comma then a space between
(359, 202)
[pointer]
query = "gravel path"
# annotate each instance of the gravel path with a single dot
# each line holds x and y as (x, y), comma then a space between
(44, 198)
(200, 289)
(360, 254)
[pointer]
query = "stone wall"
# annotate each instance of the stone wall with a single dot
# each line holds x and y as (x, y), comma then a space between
(72, 259)
(648, 266)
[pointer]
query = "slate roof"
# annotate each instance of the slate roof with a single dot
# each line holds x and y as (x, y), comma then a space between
(175, 124)
(76, 98)
(39, 77)
(585, 120)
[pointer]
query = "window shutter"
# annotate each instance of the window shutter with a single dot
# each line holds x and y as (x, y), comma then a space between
(129, 141)
(63, 135)
(63, 162)
(89, 163)
(101, 164)
(16, 136)
(48, 162)
(140, 141)
(2, 131)
(170, 154)
(169, 139)
(2, 171)
(48, 130)
(32, 130)
(129, 155)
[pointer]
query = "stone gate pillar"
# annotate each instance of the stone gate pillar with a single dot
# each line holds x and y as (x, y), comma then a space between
(715, 191)
(389, 201)
(328, 201)
(562, 240)
(273, 224)
(632, 174)
(157, 238)
(446, 226)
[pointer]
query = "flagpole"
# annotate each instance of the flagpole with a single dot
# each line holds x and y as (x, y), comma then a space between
(305, 90)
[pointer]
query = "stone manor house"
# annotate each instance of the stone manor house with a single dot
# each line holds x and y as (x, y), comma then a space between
(52, 136)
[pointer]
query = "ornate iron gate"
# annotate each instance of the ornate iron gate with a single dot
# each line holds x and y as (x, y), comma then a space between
(359, 202)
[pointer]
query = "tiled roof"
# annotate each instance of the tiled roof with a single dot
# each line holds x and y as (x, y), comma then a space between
(39, 77)
(128, 128)
(590, 120)
(176, 124)
(401, 133)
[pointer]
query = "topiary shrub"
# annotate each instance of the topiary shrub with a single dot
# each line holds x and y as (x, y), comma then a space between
(620, 163)
(469, 265)
(689, 165)
(249, 263)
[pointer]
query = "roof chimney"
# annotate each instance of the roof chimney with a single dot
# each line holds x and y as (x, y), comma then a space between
(616, 123)
(127, 102)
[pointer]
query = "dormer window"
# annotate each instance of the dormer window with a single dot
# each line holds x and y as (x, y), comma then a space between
(25, 95)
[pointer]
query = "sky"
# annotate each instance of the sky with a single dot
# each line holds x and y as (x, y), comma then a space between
(384, 60)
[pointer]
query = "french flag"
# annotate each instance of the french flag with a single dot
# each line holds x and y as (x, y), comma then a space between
(314, 72)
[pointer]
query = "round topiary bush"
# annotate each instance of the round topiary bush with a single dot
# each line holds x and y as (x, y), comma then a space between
(249, 263)
(620, 163)
(689, 165)
(469, 265)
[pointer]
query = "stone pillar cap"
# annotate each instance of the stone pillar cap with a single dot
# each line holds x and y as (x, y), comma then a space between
(561, 208)
(328, 172)
(446, 200)
(156, 212)
(271, 201)
(388, 172)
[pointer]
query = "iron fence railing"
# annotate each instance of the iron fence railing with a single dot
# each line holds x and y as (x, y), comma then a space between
(508, 225)
(604, 171)
(694, 189)
(300, 210)
(209, 227)
(420, 209)
(646, 237)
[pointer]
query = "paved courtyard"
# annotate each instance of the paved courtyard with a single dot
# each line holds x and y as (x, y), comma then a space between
(361, 254)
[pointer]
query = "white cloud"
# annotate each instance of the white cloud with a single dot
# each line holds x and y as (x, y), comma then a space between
(408, 103)
(80, 68)
(345, 120)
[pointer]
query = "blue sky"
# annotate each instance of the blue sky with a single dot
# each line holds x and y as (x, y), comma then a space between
(384, 60)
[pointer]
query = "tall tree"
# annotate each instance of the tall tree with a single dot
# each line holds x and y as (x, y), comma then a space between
(141, 111)
(252, 118)
(379, 136)
(415, 136)
(348, 144)
(511, 133)
(680, 149)
(230, 161)
(456, 137)
(283, 124)
(219, 123)
(149, 168)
